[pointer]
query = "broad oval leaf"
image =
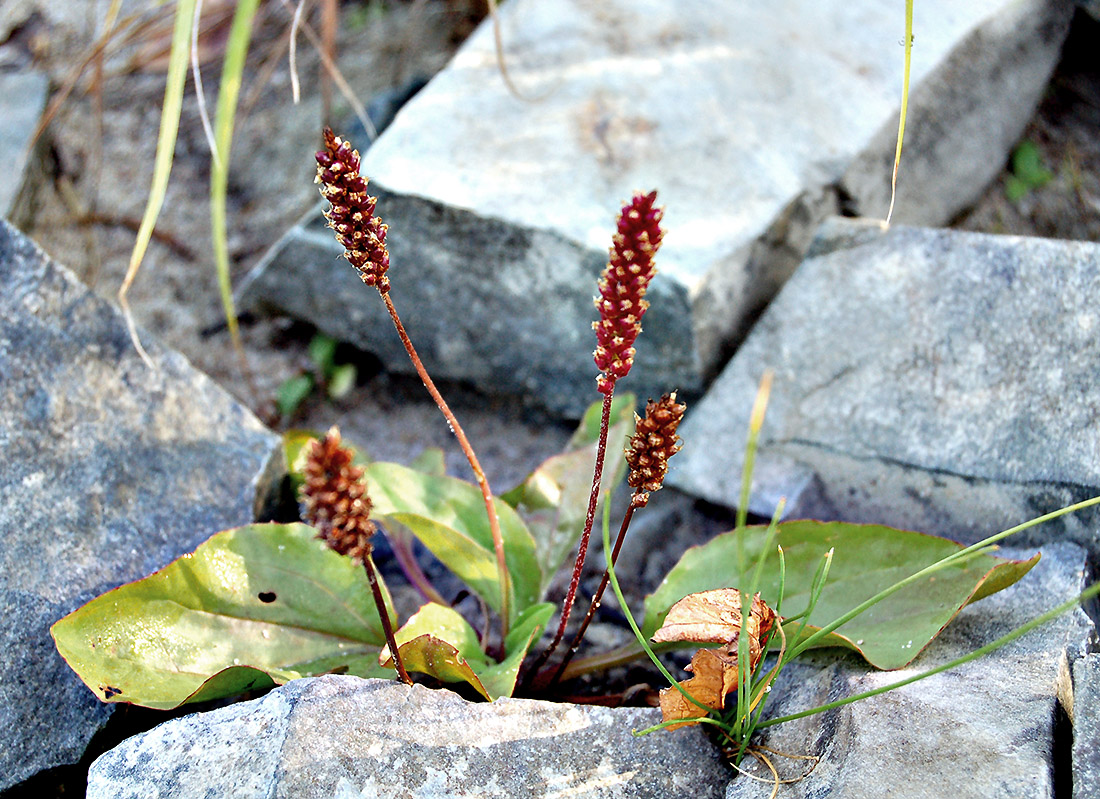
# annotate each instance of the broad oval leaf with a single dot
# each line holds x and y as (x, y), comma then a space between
(438, 641)
(866, 559)
(553, 499)
(448, 516)
(250, 607)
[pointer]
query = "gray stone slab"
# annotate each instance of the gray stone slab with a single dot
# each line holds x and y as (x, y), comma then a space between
(347, 737)
(985, 730)
(22, 100)
(110, 471)
(1085, 713)
(749, 122)
(926, 379)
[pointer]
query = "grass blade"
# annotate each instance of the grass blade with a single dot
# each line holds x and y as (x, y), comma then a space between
(240, 33)
(166, 149)
(904, 105)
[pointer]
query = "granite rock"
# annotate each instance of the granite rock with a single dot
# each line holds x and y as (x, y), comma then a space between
(984, 730)
(752, 124)
(927, 379)
(110, 471)
(345, 737)
(1086, 732)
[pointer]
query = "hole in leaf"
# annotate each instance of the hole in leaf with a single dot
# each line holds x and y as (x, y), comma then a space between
(267, 596)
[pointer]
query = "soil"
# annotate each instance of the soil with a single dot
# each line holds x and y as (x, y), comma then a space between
(101, 150)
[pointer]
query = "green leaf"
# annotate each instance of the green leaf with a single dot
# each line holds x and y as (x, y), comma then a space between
(294, 445)
(588, 431)
(1016, 189)
(440, 642)
(431, 461)
(553, 499)
(251, 607)
(1027, 164)
(448, 516)
(342, 380)
(322, 351)
(867, 559)
(1028, 171)
(292, 393)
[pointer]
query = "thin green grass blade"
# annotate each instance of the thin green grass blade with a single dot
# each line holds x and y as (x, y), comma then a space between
(992, 646)
(904, 105)
(240, 34)
(625, 608)
(963, 554)
(744, 677)
(756, 422)
(166, 150)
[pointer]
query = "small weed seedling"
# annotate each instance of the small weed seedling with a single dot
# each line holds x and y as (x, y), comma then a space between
(335, 379)
(266, 603)
(1028, 171)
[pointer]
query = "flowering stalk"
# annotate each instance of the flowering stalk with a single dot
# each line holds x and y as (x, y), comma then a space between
(363, 236)
(653, 443)
(336, 503)
(621, 305)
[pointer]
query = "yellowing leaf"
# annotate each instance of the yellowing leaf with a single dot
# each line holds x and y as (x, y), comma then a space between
(251, 607)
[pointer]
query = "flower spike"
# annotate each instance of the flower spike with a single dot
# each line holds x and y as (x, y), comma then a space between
(335, 498)
(351, 214)
(653, 443)
(623, 286)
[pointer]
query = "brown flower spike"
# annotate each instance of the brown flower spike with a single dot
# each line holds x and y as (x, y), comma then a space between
(623, 286)
(335, 498)
(336, 503)
(352, 213)
(653, 443)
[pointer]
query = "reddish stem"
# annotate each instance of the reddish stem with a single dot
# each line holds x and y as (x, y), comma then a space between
(582, 552)
(384, 615)
(406, 559)
(468, 451)
(596, 597)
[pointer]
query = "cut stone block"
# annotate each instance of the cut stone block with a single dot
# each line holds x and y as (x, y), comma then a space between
(751, 123)
(927, 379)
(346, 737)
(984, 730)
(110, 471)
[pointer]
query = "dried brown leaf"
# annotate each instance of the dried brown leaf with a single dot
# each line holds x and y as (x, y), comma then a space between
(710, 685)
(711, 617)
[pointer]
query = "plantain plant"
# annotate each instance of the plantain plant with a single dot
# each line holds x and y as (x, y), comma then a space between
(266, 603)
